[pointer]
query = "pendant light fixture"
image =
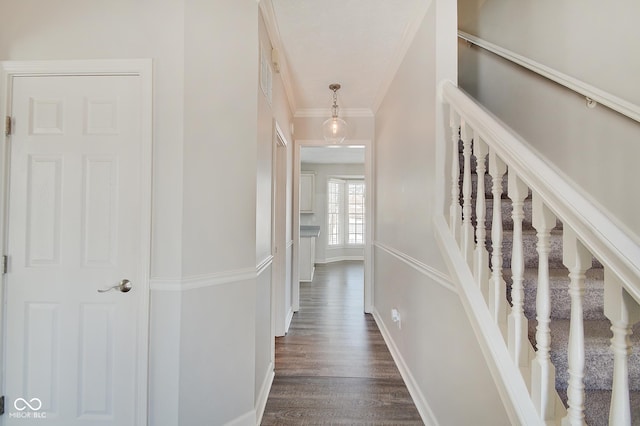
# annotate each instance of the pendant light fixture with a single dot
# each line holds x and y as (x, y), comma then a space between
(335, 128)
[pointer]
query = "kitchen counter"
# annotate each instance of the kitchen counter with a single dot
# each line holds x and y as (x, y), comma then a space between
(307, 231)
(307, 253)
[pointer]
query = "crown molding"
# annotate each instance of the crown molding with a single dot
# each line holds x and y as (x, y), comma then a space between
(326, 112)
(394, 64)
(269, 16)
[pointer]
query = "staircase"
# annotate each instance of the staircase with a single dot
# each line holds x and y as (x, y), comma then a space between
(551, 284)
(598, 355)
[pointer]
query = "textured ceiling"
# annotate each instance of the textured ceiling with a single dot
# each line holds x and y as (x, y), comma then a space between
(357, 43)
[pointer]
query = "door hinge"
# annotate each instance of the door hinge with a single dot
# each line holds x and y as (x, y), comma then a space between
(8, 126)
(5, 264)
(1, 405)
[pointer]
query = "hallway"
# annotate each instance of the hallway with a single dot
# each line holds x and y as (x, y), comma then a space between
(333, 366)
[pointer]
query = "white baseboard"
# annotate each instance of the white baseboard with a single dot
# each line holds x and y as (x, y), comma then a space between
(261, 402)
(287, 322)
(422, 405)
(247, 419)
(339, 259)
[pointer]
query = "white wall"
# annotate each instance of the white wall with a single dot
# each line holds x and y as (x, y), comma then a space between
(76, 29)
(322, 173)
(592, 41)
(209, 350)
(436, 348)
(269, 112)
(218, 337)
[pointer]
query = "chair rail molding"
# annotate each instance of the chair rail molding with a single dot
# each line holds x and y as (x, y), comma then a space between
(210, 280)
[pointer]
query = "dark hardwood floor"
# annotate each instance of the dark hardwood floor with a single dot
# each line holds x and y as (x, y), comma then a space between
(333, 366)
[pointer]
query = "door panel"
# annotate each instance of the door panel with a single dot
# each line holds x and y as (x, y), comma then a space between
(74, 229)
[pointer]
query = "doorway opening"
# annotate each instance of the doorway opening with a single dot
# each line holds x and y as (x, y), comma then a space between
(332, 211)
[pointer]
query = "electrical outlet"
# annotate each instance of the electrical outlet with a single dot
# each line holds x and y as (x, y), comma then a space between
(395, 317)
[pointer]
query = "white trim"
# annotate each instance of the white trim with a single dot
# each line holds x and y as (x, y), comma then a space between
(262, 266)
(436, 275)
(247, 419)
(608, 241)
(326, 112)
(209, 280)
(142, 68)
(279, 177)
(369, 221)
(509, 382)
(607, 99)
(288, 321)
(271, 23)
(426, 413)
(341, 258)
(165, 284)
(263, 396)
(281, 140)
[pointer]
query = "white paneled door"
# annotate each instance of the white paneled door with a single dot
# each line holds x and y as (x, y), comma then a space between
(71, 351)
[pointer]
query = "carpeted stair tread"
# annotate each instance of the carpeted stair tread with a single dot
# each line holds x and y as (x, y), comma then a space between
(506, 211)
(530, 241)
(488, 186)
(598, 357)
(597, 405)
(592, 300)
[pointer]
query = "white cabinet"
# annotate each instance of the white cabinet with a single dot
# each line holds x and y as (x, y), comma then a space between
(307, 258)
(307, 192)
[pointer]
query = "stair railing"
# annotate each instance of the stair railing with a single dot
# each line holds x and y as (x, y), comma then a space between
(587, 233)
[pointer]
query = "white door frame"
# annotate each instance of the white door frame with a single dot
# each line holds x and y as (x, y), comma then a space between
(142, 68)
(279, 207)
(369, 218)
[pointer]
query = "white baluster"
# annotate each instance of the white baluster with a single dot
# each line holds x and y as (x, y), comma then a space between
(518, 341)
(481, 255)
(455, 212)
(467, 227)
(623, 311)
(577, 259)
(497, 286)
(543, 372)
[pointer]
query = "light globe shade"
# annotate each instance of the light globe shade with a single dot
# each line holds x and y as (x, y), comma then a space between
(335, 130)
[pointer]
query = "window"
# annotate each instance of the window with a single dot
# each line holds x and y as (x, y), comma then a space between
(355, 212)
(345, 212)
(334, 212)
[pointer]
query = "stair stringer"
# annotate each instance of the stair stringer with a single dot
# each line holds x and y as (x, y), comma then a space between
(509, 381)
